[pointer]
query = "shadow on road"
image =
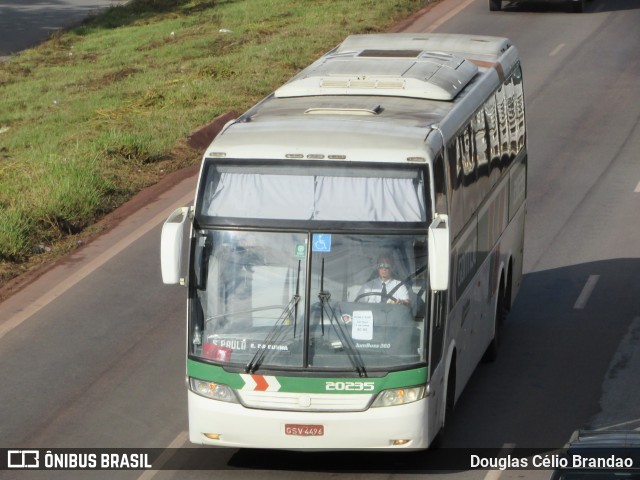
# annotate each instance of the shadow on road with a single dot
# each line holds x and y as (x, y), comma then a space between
(546, 382)
(548, 377)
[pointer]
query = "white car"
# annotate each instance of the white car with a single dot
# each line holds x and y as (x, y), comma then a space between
(578, 5)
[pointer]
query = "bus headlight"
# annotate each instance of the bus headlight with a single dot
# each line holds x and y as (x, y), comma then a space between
(215, 391)
(399, 396)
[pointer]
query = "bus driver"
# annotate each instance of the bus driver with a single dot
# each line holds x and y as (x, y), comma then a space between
(382, 289)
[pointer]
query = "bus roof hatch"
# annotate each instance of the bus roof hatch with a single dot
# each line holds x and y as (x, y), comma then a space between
(397, 73)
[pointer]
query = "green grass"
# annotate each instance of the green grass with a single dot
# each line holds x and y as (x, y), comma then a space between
(93, 115)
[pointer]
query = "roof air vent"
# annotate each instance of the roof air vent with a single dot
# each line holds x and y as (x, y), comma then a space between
(398, 73)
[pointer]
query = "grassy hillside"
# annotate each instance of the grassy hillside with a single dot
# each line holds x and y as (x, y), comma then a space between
(95, 114)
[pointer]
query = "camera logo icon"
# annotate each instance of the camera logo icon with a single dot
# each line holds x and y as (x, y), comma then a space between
(23, 459)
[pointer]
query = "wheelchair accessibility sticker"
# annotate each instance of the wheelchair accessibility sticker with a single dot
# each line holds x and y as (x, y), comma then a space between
(321, 242)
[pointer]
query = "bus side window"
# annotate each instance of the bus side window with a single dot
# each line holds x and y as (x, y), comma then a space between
(455, 169)
(519, 104)
(503, 126)
(440, 184)
(510, 93)
(467, 156)
(479, 125)
(491, 114)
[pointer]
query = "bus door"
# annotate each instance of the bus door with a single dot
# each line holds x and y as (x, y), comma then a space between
(437, 380)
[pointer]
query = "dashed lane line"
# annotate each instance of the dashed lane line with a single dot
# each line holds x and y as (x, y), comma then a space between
(587, 290)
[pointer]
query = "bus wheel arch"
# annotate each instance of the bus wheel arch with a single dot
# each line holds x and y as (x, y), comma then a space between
(508, 292)
(500, 311)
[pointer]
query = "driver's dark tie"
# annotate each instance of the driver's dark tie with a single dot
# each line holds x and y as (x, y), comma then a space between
(383, 291)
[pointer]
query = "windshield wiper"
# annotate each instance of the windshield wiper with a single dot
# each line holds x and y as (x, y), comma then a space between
(406, 280)
(276, 331)
(345, 339)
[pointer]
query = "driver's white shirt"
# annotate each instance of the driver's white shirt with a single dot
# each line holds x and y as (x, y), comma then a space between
(375, 285)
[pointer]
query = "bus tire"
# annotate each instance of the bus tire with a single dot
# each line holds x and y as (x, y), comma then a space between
(495, 5)
(578, 6)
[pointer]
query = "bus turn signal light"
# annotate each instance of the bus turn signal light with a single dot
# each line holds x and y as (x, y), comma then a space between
(400, 441)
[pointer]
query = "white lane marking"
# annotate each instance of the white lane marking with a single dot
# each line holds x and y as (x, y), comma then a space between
(85, 271)
(493, 474)
(507, 448)
(449, 15)
(165, 456)
(620, 425)
(637, 190)
(586, 292)
(555, 51)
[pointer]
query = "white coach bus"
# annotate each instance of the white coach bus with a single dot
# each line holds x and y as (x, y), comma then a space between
(393, 156)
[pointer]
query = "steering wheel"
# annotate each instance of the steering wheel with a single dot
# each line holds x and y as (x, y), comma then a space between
(385, 296)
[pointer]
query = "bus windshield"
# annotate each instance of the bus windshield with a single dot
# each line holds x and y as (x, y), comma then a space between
(308, 300)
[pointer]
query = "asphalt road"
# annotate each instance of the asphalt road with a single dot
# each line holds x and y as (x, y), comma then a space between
(24, 23)
(92, 354)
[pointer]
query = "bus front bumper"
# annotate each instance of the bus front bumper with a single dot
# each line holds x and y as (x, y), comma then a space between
(402, 427)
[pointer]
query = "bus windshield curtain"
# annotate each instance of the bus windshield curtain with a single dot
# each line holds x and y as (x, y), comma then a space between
(306, 197)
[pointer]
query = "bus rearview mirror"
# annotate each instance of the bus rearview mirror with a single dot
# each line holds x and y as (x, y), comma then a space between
(439, 251)
(171, 245)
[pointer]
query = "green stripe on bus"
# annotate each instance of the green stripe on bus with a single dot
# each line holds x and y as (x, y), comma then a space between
(405, 378)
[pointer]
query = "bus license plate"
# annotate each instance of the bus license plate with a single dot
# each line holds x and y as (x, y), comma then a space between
(304, 430)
